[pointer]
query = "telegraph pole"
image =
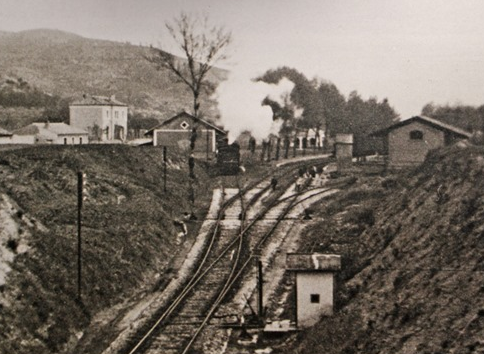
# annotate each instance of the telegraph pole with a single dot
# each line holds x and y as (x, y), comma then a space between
(260, 282)
(208, 150)
(79, 219)
(269, 150)
(278, 147)
(164, 168)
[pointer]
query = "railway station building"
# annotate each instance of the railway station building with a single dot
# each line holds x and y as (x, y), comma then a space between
(104, 118)
(408, 142)
(309, 138)
(178, 130)
(50, 133)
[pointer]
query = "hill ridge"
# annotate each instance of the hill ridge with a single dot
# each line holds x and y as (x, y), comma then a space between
(69, 65)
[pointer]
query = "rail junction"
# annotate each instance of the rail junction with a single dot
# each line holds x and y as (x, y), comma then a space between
(240, 233)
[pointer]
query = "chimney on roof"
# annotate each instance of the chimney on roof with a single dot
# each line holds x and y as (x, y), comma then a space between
(113, 97)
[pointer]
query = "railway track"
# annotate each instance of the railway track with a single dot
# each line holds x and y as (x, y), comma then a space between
(233, 241)
(257, 233)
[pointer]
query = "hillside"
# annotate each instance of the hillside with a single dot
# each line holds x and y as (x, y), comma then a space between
(413, 260)
(129, 238)
(69, 65)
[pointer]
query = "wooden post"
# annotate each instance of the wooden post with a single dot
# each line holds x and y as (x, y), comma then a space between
(260, 303)
(278, 148)
(207, 146)
(164, 168)
(286, 147)
(79, 219)
(269, 150)
(263, 152)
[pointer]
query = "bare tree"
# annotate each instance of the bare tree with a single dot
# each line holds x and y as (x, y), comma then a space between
(203, 46)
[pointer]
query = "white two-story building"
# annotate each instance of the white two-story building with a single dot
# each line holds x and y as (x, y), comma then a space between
(105, 118)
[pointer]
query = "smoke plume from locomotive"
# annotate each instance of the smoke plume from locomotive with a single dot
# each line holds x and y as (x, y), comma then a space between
(240, 104)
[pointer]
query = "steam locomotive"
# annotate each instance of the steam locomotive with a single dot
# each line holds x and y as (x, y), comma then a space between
(228, 159)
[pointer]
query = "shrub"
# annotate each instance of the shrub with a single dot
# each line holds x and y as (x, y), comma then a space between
(12, 244)
(477, 138)
(362, 216)
(367, 216)
(389, 183)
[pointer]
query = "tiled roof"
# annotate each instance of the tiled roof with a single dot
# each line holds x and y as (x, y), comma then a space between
(33, 129)
(426, 120)
(28, 130)
(446, 126)
(4, 132)
(60, 128)
(50, 129)
(200, 120)
(88, 100)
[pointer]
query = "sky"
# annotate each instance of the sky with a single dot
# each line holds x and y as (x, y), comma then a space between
(410, 51)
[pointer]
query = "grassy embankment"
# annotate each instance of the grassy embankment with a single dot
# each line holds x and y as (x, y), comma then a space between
(128, 236)
(412, 258)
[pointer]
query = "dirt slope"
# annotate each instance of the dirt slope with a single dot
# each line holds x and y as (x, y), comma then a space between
(129, 237)
(413, 261)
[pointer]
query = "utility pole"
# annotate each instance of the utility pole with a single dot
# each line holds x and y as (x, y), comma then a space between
(80, 186)
(269, 150)
(164, 168)
(263, 153)
(278, 147)
(286, 147)
(260, 282)
(208, 150)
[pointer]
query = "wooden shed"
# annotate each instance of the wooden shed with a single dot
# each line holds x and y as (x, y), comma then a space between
(408, 142)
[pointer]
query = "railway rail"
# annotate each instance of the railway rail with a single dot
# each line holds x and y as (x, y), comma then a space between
(231, 248)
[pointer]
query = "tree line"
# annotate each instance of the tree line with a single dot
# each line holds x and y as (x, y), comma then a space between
(325, 108)
(19, 93)
(462, 116)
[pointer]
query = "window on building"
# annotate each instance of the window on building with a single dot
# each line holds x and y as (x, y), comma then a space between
(416, 135)
(65, 141)
(80, 141)
(314, 298)
(116, 113)
(184, 125)
(73, 141)
(107, 113)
